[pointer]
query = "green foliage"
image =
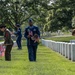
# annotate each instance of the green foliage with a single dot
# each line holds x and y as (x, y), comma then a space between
(73, 22)
(65, 29)
(60, 15)
(17, 11)
(54, 17)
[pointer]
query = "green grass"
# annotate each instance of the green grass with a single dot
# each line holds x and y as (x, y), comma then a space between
(63, 39)
(48, 63)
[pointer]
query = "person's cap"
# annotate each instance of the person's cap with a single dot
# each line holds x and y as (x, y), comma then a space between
(2, 26)
(18, 25)
(30, 20)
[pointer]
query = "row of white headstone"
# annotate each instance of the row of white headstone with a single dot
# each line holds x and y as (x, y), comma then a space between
(65, 49)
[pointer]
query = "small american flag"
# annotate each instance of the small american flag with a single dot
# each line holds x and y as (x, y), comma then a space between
(2, 50)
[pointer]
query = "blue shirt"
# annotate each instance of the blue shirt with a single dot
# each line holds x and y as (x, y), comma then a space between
(34, 30)
(18, 32)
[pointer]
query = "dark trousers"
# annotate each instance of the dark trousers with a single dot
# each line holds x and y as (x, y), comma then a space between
(32, 52)
(8, 52)
(18, 41)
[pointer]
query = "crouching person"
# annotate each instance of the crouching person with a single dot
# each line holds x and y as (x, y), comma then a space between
(8, 42)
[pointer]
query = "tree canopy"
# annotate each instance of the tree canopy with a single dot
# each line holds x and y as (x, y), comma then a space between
(50, 15)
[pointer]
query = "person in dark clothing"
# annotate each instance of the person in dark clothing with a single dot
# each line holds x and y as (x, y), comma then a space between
(19, 36)
(8, 42)
(32, 34)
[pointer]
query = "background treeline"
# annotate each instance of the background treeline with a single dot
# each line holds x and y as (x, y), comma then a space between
(49, 15)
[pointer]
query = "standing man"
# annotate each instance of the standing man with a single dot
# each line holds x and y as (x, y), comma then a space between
(32, 34)
(19, 36)
(8, 42)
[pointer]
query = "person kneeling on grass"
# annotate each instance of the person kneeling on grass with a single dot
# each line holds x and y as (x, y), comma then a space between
(8, 42)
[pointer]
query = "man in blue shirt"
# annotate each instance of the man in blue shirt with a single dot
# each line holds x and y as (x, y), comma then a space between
(32, 34)
(19, 36)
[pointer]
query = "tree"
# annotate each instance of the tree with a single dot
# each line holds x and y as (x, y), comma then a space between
(61, 15)
(73, 22)
(18, 11)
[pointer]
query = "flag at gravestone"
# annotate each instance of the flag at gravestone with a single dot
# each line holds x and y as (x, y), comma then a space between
(2, 50)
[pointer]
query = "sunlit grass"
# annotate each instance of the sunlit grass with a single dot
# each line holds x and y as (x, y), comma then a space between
(48, 63)
(63, 39)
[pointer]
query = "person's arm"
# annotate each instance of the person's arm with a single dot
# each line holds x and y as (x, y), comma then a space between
(17, 32)
(37, 35)
(25, 34)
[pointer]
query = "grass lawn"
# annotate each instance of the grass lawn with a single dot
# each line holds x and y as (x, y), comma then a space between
(48, 63)
(63, 39)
